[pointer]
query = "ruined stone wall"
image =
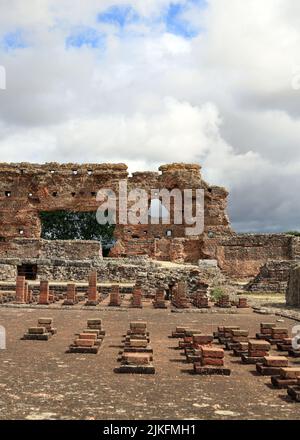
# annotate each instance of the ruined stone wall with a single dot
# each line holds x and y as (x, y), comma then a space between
(28, 189)
(25, 249)
(272, 277)
(293, 288)
(242, 255)
(123, 270)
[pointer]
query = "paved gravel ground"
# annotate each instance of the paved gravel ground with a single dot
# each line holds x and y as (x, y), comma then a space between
(38, 380)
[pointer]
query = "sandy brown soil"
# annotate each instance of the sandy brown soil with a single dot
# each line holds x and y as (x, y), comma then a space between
(39, 380)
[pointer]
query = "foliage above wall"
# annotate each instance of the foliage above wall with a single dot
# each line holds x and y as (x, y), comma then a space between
(68, 225)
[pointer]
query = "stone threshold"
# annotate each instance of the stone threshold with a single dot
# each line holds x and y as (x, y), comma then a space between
(290, 314)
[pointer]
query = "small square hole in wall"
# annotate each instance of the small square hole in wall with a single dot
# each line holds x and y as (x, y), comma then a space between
(7, 194)
(93, 193)
(30, 194)
(75, 172)
(90, 172)
(52, 171)
(169, 232)
(21, 231)
(73, 194)
(55, 194)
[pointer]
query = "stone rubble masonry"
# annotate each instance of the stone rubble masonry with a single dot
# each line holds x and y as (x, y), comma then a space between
(272, 277)
(293, 287)
(35, 188)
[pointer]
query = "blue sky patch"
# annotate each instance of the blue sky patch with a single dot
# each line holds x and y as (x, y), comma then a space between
(119, 15)
(13, 40)
(85, 37)
(176, 24)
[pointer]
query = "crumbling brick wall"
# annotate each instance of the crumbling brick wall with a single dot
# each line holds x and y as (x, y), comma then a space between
(242, 255)
(293, 288)
(28, 189)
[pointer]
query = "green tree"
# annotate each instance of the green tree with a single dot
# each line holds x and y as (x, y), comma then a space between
(68, 225)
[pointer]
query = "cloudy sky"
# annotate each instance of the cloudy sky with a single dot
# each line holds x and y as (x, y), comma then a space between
(148, 82)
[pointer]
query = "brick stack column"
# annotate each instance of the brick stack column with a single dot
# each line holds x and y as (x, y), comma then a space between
(92, 289)
(44, 292)
(71, 292)
(20, 290)
(26, 292)
(92, 292)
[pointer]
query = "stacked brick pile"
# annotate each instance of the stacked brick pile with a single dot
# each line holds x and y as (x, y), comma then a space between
(200, 298)
(242, 303)
(159, 301)
(44, 293)
(238, 341)
(194, 342)
(275, 335)
(265, 330)
(42, 332)
(115, 298)
(179, 299)
(20, 290)
(29, 296)
(211, 362)
(92, 299)
(295, 353)
(224, 333)
(179, 332)
(279, 334)
(285, 344)
(187, 342)
(223, 302)
(94, 325)
(207, 359)
(137, 355)
(23, 293)
(271, 365)
(257, 350)
(287, 376)
(136, 300)
(90, 339)
(294, 391)
(71, 295)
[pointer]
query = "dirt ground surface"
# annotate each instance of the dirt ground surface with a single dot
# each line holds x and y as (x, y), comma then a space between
(39, 380)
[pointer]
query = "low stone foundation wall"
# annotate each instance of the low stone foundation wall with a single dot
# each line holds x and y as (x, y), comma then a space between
(148, 272)
(272, 277)
(242, 255)
(293, 288)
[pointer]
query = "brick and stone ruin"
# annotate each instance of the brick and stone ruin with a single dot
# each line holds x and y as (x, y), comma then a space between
(90, 339)
(136, 355)
(268, 262)
(151, 279)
